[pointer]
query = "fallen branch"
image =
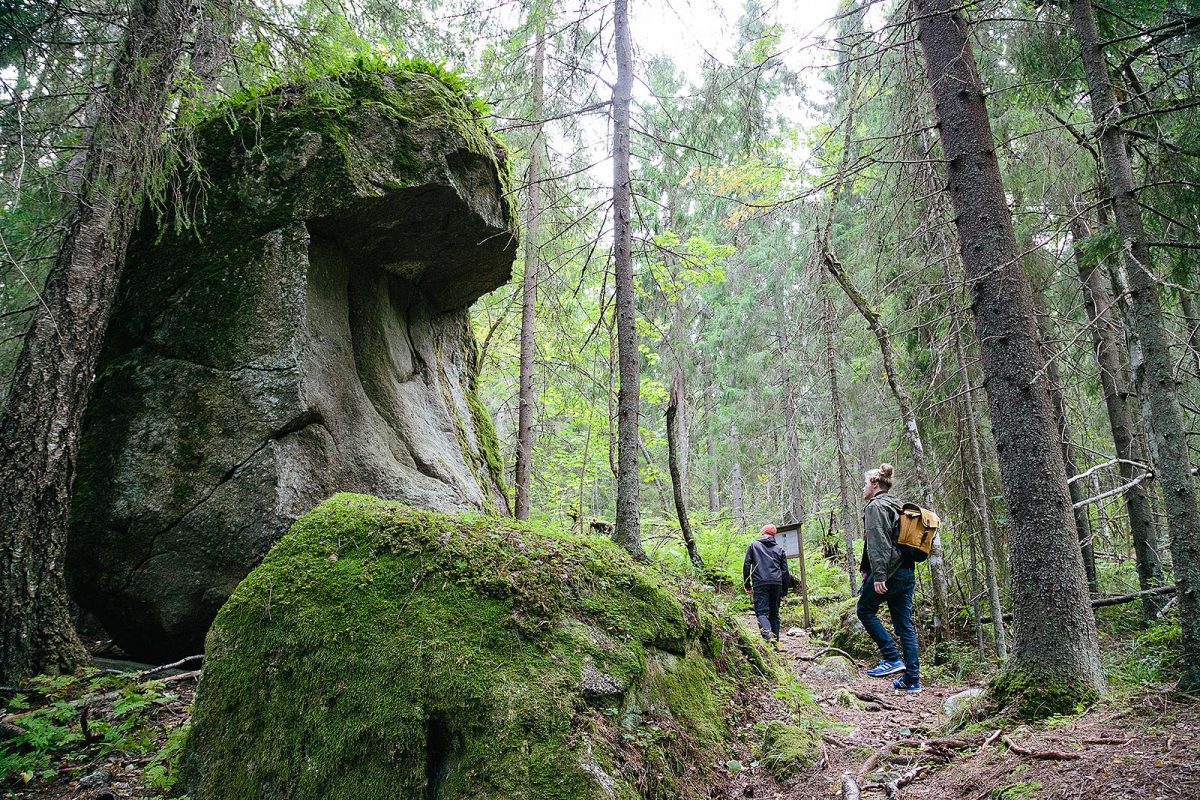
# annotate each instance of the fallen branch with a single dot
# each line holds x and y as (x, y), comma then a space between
(1115, 600)
(825, 650)
(893, 787)
(872, 762)
(849, 788)
(988, 741)
(165, 667)
(1050, 755)
(867, 697)
(10, 731)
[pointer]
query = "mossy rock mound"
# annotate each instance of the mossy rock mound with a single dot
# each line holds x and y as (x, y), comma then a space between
(381, 651)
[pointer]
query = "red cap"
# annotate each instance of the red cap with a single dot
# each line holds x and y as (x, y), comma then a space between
(769, 530)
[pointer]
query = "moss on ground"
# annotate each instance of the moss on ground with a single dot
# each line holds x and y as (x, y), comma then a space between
(788, 749)
(381, 651)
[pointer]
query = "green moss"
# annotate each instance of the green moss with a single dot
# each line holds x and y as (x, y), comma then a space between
(1024, 790)
(1037, 696)
(485, 434)
(380, 649)
(787, 749)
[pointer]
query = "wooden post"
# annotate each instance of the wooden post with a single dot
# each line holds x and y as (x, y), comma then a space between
(798, 527)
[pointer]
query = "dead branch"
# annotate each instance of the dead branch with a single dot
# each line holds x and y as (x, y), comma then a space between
(872, 762)
(825, 650)
(1115, 600)
(1051, 755)
(849, 788)
(867, 697)
(164, 667)
(893, 787)
(10, 731)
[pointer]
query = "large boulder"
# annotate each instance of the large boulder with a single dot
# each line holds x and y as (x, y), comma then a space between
(382, 652)
(306, 334)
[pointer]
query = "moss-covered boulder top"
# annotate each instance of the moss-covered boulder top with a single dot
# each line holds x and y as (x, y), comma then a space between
(381, 652)
(308, 335)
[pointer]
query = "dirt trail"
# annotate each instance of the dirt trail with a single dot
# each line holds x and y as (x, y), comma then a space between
(1146, 747)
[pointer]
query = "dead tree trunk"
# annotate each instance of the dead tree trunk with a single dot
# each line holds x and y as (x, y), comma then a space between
(685, 527)
(628, 524)
(39, 430)
(848, 518)
(529, 284)
(1114, 386)
(937, 564)
(1169, 447)
(1056, 655)
(714, 486)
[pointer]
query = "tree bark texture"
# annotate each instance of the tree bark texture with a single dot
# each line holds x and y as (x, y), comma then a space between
(689, 541)
(39, 430)
(529, 284)
(1114, 386)
(628, 528)
(1055, 643)
(1169, 434)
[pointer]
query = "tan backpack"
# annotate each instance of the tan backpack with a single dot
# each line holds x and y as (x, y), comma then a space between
(918, 526)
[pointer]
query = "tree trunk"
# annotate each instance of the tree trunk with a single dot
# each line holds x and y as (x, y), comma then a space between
(628, 527)
(39, 430)
(529, 284)
(1169, 447)
(791, 441)
(714, 486)
(1113, 384)
(737, 494)
(685, 528)
(848, 518)
(1056, 658)
(937, 564)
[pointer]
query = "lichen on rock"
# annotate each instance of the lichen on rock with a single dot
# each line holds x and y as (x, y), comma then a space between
(381, 651)
(308, 334)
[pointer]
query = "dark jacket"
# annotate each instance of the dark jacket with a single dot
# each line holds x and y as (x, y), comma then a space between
(766, 563)
(881, 528)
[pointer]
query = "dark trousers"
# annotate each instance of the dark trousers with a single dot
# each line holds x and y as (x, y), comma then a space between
(766, 608)
(899, 598)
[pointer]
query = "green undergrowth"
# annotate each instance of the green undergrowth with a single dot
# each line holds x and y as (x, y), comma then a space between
(1146, 657)
(382, 651)
(67, 723)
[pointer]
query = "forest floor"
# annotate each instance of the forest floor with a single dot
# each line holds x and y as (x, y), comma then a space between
(1144, 746)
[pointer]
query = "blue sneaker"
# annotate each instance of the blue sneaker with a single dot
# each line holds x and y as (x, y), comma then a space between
(885, 668)
(902, 684)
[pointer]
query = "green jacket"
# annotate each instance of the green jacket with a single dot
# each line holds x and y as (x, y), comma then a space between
(881, 528)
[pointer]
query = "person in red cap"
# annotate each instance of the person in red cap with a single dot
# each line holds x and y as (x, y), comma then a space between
(766, 578)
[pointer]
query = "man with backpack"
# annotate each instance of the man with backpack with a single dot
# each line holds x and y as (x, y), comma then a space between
(887, 575)
(766, 578)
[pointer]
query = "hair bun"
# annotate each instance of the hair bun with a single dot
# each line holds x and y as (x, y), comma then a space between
(885, 471)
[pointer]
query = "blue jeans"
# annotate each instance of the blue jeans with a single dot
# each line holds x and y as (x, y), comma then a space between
(899, 598)
(766, 607)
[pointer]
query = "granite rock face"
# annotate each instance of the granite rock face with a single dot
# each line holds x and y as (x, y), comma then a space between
(309, 336)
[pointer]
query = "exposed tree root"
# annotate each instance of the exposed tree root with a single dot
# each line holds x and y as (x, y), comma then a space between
(1053, 755)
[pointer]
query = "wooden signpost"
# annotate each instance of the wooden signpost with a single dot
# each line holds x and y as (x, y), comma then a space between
(791, 537)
